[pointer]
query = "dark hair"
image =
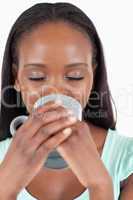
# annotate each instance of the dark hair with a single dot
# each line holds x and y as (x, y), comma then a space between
(28, 20)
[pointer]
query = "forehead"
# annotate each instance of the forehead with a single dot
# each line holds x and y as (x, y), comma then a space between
(53, 41)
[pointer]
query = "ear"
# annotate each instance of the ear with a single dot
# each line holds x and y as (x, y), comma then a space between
(15, 76)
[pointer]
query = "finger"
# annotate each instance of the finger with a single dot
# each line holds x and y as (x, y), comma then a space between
(47, 106)
(45, 133)
(48, 146)
(41, 109)
(37, 120)
(51, 116)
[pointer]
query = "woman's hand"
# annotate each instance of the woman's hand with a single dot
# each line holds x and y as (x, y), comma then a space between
(33, 141)
(81, 154)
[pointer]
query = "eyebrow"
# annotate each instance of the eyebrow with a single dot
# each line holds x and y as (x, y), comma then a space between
(67, 65)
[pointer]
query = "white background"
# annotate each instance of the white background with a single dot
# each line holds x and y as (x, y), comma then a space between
(114, 23)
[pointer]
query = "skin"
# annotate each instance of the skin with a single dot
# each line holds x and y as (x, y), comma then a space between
(56, 50)
(57, 45)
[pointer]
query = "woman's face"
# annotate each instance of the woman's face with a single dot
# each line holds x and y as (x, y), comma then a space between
(50, 57)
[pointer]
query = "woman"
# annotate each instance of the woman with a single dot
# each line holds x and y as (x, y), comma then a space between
(55, 46)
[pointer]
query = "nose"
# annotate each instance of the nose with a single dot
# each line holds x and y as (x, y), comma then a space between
(56, 86)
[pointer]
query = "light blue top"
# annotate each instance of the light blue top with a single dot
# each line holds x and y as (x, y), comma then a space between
(117, 156)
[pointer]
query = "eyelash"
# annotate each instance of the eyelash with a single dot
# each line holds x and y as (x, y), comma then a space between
(36, 79)
(42, 78)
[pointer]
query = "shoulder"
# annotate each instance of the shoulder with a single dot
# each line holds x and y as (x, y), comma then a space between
(121, 154)
(123, 143)
(123, 149)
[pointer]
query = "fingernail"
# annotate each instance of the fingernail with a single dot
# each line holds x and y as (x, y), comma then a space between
(67, 131)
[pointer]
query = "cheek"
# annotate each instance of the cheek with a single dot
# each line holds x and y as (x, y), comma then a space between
(86, 90)
(29, 98)
(29, 93)
(32, 92)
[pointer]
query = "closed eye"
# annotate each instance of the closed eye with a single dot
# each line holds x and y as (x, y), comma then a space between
(75, 78)
(44, 78)
(37, 78)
